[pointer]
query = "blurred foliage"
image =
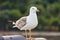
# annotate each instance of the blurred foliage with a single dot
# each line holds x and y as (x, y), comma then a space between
(14, 9)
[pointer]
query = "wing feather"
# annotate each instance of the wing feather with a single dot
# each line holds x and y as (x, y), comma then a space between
(21, 22)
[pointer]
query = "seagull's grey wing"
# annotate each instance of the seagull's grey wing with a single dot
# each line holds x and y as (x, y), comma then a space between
(21, 22)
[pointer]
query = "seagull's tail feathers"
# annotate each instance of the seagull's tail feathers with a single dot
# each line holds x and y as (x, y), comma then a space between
(14, 26)
(13, 22)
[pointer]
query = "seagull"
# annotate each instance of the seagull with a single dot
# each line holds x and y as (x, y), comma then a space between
(28, 22)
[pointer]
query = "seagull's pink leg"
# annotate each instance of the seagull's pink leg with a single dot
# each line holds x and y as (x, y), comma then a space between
(30, 36)
(26, 34)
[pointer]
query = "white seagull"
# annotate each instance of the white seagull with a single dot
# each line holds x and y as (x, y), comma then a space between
(29, 22)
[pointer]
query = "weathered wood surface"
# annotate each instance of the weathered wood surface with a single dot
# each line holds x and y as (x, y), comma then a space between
(33, 33)
(47, 35)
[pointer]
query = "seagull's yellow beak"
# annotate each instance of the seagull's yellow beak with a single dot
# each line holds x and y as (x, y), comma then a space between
(37, 10)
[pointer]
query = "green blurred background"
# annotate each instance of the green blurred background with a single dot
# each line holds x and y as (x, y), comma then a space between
(49, 17)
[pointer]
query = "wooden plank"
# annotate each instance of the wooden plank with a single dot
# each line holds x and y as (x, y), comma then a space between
(33, 33)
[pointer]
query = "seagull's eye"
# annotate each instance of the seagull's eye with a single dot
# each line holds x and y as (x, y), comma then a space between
(33, 8)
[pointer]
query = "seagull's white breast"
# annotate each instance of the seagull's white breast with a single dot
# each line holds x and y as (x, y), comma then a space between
(32, 22)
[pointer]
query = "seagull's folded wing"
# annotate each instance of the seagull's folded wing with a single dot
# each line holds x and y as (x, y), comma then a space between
(21, 22)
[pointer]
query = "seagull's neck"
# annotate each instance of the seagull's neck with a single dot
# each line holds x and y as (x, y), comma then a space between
(32, 13)
(32, 16)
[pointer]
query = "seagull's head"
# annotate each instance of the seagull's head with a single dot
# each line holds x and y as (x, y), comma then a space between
(34, 9)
